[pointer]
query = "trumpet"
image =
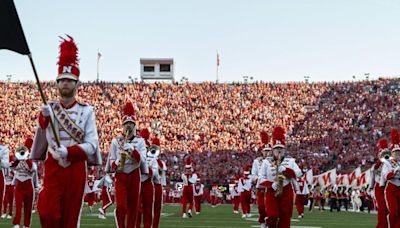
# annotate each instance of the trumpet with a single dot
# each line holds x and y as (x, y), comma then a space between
(279, 178)
(124, 154)
(385, 154)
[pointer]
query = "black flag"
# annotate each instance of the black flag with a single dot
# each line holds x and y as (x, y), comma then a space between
(11, 34)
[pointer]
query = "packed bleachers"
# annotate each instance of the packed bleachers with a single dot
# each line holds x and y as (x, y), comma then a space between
(328, 124)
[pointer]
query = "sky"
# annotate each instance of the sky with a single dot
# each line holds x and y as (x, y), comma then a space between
(268, 40)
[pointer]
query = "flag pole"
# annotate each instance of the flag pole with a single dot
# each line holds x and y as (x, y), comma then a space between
(217, 65)
(43, 97)
(98, 60)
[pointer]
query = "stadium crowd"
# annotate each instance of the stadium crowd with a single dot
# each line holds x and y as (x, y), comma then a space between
(328, 124)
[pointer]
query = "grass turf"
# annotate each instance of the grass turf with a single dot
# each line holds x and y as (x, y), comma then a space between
(222, 216)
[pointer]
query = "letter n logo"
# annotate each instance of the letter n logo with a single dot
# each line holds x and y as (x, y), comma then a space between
(67, 69)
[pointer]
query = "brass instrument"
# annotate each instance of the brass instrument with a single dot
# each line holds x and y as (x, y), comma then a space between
(279, 178)
(385, 154)
(124, 154)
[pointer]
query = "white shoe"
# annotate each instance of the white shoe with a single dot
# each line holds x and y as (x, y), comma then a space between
(262, 225)
(184, 215)
(101, 216)
(197, 213)
(16, 226)
(243, 216)
(299, 216)
(101, 211)
(3, 216)
(248, 215)
(9, 217)
(33, 211)
(236, 212)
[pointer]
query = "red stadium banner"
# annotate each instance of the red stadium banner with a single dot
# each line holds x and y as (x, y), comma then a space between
(363, 179)
(353, 177)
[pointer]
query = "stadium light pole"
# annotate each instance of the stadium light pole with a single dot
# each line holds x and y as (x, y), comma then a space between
(366, 76)
(306, 78)
(245, 78)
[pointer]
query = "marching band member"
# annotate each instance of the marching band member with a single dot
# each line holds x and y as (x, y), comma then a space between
(375, 183)
(146, 200)
(127, 158)
(301, 192)
(391, 175)
(198, 191)
(235, 194)
(257, 178)
(279, 174)
(214, 194)
(24, 170)
(189, 177)
(244, 187)
(9, 194)
(90, 191)
(105, 184)
(159, 179)
(60, 200)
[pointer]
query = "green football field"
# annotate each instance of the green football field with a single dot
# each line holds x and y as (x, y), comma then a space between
(222, 216)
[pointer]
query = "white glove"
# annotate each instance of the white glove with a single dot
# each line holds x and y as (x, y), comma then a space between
(128, 147)
(46, 110)
(281, 169)
(298, 192)
(275, 186)
(62, 151)
(117, 162)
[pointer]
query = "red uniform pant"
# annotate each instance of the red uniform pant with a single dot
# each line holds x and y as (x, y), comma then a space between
(90, 198)
(60, 200)
(146, 201)
(300, 203)
(105, 198)
(245, 199)
(158, 198)
(381, 205)
(127, 189)
(8, 199)
(187, 197)
(197, 203)
(279, 209)
(392, 194)
(261, 205)
(214, 200)
(236, 202)
(24, 194)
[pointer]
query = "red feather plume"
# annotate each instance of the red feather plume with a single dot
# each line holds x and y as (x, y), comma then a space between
(395, 136)
(264, 137)
(155, 141)
(383, 144)
(278, 135)
(144, 133)
(188, 160)
(68, 52)
(28, 143)
(128, 109)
